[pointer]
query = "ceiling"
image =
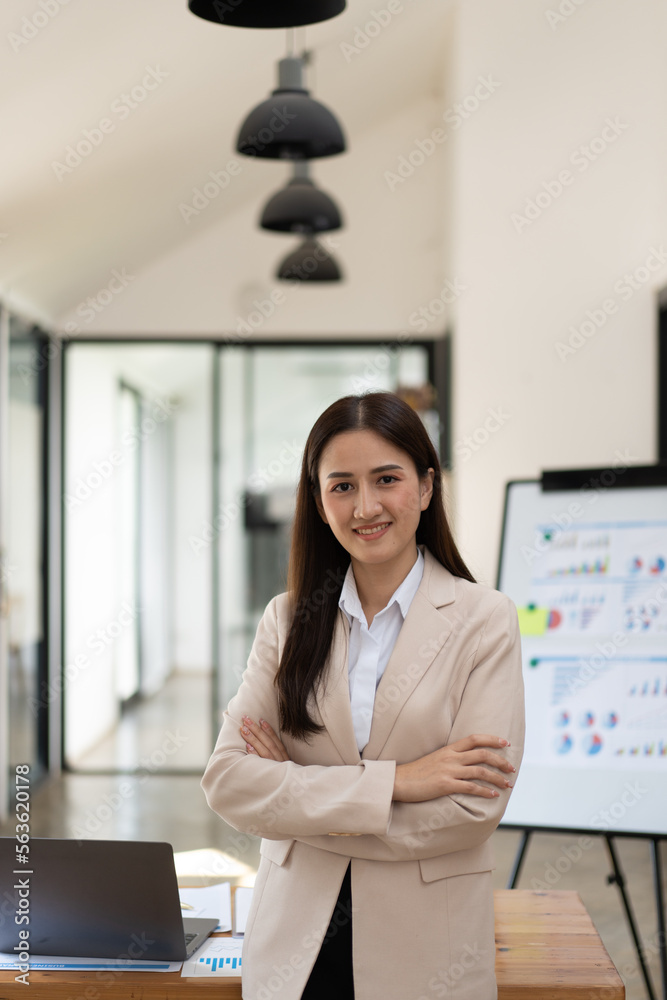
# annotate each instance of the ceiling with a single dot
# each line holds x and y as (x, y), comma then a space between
(67, 65)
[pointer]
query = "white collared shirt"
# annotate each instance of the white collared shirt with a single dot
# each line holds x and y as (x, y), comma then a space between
(370, 648)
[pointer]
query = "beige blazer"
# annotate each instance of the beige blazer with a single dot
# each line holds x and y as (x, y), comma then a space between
(422, 904)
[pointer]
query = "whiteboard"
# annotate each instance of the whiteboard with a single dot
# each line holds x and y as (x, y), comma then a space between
(586, 566)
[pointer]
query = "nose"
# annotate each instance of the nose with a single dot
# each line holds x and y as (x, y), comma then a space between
(367, 504)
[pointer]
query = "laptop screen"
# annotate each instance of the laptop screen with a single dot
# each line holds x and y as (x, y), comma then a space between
(97, 898)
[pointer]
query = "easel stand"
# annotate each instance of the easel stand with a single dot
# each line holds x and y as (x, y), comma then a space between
(617, 877)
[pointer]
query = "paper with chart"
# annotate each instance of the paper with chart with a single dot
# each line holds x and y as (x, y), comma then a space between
(219, 956)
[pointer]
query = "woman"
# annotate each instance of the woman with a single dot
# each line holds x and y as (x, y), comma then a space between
(376, 734)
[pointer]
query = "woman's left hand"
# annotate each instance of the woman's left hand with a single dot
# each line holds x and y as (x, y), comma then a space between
(261, 740)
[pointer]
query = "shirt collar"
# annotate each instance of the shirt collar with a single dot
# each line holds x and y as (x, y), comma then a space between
(403, 595)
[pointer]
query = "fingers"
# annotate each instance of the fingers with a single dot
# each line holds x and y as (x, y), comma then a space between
(470, 757)
(262, 740)
(475, 749)
(256, 742)
(465, 783)
(470, 788)
(482, 774)
(274, 740)
(259, 739)
(477, 740)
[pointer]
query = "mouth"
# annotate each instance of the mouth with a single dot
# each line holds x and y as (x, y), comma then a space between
(372, 530)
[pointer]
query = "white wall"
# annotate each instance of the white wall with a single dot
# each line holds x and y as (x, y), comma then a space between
(91, 584)
(192, 487)
(558, 87)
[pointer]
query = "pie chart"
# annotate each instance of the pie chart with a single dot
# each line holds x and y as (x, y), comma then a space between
(555, 618)
(593, 744)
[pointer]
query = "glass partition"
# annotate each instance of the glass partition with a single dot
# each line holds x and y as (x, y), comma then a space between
(138, 565)
(180, 462)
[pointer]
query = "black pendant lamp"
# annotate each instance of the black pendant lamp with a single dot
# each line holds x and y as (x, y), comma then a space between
(290, 124)
(300, 207)
(309, 262)
(266, 13)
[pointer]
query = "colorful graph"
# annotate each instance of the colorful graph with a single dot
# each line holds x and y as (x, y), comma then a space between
(596, 541)
(564, 743)
(653, 566)
(563, 718)
(586, 719)
(638, 617)
(599, 566)
(593, 744)
(589, 612)
(648, 687)
(555, 618)
(610, 721)
(215, 963)
(658, 749)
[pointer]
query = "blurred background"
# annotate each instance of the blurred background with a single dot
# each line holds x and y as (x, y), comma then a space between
(503, 256)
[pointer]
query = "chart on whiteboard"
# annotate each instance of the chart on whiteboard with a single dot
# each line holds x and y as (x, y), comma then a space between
(599, 709)
(595, 644)
(593, 579)
(586, 567)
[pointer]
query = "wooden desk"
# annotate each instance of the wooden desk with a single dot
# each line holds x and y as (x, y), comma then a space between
(547, 948)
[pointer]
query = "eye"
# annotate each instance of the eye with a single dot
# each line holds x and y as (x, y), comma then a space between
(337, 488)
(388, 479)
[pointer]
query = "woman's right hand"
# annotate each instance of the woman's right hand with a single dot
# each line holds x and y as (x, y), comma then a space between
(453, 769)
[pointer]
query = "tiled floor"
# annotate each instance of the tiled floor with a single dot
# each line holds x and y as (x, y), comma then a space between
(174, 724)
(159, 803)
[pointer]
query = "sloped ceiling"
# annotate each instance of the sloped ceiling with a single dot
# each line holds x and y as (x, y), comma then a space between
(68, 64)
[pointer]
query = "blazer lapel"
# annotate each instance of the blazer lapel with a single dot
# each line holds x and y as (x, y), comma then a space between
(333, 695)
(423, 634)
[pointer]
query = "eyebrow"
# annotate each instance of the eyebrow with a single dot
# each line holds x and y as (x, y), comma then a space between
(350, 475)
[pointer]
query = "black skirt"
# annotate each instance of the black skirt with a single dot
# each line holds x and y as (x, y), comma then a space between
(331, 976)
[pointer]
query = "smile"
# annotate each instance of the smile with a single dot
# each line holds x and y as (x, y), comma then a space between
(372, 531)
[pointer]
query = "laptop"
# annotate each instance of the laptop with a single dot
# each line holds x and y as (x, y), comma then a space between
(96, 899)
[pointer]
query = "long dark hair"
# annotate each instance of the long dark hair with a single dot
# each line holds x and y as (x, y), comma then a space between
(318, 562)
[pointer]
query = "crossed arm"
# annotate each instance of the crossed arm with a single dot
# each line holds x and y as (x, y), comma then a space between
(447, 771)
(460, 790)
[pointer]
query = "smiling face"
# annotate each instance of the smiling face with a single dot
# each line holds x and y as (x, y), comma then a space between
(372, 498)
